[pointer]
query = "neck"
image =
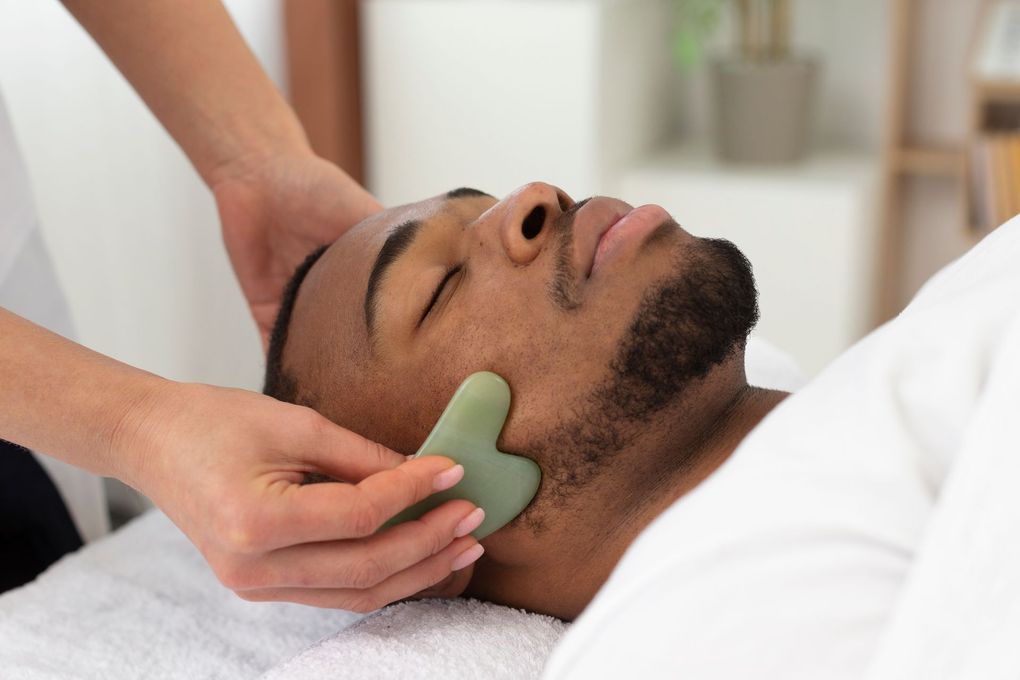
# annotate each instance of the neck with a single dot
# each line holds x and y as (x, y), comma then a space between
(574, 563)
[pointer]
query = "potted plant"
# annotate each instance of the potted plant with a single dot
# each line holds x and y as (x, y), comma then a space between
(763, 94)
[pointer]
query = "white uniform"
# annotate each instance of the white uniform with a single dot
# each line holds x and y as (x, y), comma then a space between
(29, 288)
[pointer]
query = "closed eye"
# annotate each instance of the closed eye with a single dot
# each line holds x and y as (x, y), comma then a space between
(439, 291)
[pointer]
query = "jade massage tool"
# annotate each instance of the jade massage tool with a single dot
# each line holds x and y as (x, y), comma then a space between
(500, 483)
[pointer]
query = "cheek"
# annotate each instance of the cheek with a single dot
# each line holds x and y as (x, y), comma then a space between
(551, 358)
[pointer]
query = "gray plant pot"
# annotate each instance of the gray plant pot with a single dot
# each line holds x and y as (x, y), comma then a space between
(763, 110)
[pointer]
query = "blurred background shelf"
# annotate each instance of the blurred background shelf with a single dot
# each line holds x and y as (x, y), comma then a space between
(992, 185)
(933, 108)
(934, 162)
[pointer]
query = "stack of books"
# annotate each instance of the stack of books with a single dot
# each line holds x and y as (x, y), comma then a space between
(995, 150)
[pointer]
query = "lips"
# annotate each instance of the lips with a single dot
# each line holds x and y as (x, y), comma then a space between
(632, 227)
(606, 227)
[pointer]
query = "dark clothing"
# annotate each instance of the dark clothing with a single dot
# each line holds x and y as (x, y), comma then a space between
(36, 528)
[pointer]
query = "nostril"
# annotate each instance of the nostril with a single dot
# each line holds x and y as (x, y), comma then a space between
(532, 225)
(564, 201)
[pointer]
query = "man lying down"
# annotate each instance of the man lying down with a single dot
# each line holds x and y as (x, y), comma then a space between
(866, 527)
(621, 335)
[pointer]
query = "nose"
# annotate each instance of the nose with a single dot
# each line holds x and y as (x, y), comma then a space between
(527, 217)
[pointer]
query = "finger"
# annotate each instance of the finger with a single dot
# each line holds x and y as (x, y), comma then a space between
(340, 453)
(361, 563)
(330, 512)
(451, 586)
(399, 586)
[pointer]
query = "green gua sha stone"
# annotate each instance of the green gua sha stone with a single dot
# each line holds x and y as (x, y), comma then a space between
(500, 483)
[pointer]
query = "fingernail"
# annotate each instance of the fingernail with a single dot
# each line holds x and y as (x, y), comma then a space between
(467, 557)
(470, 523)
(447, 478)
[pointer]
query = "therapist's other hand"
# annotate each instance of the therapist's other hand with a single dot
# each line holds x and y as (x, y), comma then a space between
(274, 211)
(227, 467)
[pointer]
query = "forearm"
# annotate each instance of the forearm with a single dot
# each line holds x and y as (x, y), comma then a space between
(65, 399)
(189, 63)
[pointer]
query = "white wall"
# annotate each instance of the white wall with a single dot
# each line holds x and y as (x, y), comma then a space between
(499, 93)
(132, 230)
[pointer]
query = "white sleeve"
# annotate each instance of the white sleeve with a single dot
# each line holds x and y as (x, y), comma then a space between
(779, 603)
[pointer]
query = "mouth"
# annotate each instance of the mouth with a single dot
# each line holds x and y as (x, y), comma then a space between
(605, 227)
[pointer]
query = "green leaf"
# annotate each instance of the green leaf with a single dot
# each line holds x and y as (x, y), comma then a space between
(696, 20)
(687, 50)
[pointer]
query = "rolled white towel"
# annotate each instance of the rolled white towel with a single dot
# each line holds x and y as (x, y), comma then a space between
(447, 639)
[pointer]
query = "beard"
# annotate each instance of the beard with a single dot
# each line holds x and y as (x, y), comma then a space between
(684, 327)
(686, 324)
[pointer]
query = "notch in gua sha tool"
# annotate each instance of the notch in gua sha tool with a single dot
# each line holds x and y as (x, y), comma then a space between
(500, 483)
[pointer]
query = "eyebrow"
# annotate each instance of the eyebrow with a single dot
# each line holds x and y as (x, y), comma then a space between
(465, 192)
(396, 244)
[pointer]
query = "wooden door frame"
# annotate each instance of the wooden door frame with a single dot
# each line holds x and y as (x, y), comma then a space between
(324, 74)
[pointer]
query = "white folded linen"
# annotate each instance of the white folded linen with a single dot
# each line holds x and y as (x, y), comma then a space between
(449, 639)
(869, 522)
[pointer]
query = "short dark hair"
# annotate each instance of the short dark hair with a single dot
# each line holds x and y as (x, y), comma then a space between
(279, 384)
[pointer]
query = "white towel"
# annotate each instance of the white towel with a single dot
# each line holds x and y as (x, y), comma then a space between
(142, 603)
(449, 639)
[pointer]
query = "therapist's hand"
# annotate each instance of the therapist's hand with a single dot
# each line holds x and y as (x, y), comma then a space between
(274, 211)
(227, 465)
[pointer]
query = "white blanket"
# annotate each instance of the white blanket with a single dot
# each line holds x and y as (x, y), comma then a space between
(958, 614)
(869, 527)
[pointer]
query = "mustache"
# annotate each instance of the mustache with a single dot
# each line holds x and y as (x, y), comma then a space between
(563, 284)
(566, 218)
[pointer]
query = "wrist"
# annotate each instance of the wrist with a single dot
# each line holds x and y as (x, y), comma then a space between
(251, 150)
(136, 427)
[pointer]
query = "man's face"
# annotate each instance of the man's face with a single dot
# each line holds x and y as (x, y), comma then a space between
(599, 316)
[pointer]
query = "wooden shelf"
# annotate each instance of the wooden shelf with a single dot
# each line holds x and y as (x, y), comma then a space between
(997, 90)
(933, 162)
(994, 106)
